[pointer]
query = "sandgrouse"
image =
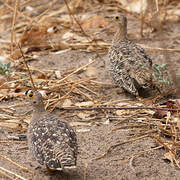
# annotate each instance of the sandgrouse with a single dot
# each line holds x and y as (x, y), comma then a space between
(51, 140)
(129, 65)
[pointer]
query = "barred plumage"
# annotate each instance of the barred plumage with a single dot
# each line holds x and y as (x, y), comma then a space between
(51, 140)
(129, 65)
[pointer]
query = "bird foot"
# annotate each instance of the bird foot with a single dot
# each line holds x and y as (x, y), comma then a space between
(48, 170)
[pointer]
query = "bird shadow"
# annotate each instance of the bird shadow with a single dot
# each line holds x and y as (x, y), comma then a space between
(56, 175)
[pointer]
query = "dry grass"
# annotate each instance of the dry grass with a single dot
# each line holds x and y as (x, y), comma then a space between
(36, 25)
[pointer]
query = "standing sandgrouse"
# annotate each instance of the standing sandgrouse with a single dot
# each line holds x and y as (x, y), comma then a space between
(51, 140)
(129, 65)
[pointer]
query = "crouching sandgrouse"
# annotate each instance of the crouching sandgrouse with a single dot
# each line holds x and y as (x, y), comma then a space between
(129, 65)
(51, 140)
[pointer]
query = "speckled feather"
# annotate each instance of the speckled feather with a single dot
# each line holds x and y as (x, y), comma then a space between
(52, 141)
(129, 65)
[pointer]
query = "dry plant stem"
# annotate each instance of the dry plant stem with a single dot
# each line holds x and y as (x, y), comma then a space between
(158, 49)
(85, 171)
(13, 38)
(88, 89)
(19, 166)
(59, 99)
(160, 141)
(32, 82)
(118, 108)
(118, 144)
(77, 22)
(131, 126)
(19, 13)
(10, 82)
(12, 142)
(82, 30)
(5, 175)
(157, 6)
(45, 12)
(142, 19)
(10, 172)
(139, 153)
(77, 70)
(82, 93)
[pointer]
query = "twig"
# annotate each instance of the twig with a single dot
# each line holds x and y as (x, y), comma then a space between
(130, 164)
(159, 140)
(77, 70)
(5, 175)
(23, 168)
(13, 24)
(139, 153)
(142, 18)
(77, 22)
(85, 171)
(116, 108)
(18, 12)
(46, 11)
(131, 126)
(159, 49)
(118, 144)
(30, 76)
(10, 172)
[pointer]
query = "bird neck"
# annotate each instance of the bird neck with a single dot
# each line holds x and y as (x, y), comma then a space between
(38, 112)
(121, 34)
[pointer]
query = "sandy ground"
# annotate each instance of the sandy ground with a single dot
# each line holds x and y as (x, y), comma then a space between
(99, 136)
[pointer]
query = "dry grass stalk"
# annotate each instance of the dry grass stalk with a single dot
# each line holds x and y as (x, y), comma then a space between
(77, 70)
(5, 175)
(17, 165)
(87, 89)
(138, 154)
(10, 172)
(13, 35)
(29, 72)
(85, 171)
(118, 144)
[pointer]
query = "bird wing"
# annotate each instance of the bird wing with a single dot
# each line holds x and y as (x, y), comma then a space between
(130, 66)
(54, 140)
(142, 69)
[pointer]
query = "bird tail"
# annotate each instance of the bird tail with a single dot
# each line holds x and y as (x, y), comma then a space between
(67, 160)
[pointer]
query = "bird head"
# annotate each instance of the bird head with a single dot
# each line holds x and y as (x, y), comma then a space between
(121, 20)
(35, 99)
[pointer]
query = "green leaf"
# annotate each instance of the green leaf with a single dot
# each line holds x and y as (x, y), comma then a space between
(9, 65)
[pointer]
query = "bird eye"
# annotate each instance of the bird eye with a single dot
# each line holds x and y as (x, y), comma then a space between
(116, 18)
(29, 93)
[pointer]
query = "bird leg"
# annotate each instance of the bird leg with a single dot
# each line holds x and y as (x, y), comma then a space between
(49, 170)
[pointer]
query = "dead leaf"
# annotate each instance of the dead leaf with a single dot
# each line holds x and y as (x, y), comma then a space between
(16, 54)
(134, 5)
(159, 114)
(83, 115)
(171, 105)
(169, 156)
(67, 103)
(72, 36)
(35, 36)
(122, 112)
(43, 93)
(58, 74)
(86, 103)
(94, 22)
